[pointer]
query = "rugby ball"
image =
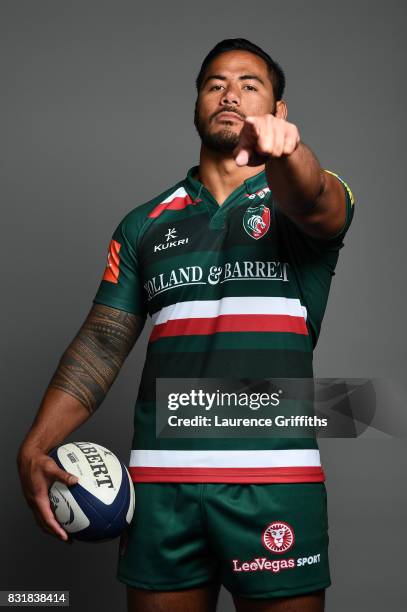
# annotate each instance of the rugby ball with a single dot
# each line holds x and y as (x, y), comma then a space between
(101, 504)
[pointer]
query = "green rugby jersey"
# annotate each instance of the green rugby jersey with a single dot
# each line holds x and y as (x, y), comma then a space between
(233, 291)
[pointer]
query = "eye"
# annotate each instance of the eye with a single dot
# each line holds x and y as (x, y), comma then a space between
(250, 87)
(215, 87)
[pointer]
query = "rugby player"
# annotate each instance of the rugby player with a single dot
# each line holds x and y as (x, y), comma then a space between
(234, 265)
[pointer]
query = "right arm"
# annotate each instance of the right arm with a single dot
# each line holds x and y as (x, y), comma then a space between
(80, 383)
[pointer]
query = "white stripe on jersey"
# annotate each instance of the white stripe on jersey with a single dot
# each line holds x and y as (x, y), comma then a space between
(197, 309)
(179, 193)
(225, 458)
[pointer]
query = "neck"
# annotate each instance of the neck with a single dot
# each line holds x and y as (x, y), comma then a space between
(220, 174)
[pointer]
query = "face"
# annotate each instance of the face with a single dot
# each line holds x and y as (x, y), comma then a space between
(236, 84)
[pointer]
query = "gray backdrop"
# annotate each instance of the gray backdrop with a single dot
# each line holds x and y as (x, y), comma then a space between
(96, 110)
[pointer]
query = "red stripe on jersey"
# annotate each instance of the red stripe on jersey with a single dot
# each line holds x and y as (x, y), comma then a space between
(230, 323)
(177, 203)
(112, 270)
(270, 474)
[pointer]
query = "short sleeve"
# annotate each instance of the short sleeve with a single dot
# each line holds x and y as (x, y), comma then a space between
(313, 260)
(350, 209)
(326, 250)
(121, 285)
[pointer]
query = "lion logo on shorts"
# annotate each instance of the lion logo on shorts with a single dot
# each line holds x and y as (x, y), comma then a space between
(278, 537)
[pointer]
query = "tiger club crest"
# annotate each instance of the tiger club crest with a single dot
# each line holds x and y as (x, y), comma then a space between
(256, 221)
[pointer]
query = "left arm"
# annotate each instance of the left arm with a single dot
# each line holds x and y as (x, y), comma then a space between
(312, 198)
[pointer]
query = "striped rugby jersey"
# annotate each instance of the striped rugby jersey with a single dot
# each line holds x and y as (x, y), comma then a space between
(236, 290)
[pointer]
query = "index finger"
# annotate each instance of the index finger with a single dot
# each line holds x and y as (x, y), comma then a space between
(247, 140)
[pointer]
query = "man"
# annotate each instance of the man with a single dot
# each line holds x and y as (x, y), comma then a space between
(234, 265)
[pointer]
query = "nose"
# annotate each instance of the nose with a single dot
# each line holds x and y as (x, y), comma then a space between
(231, 96)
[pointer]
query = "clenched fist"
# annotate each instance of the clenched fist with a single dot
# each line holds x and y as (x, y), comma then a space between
(263, 137)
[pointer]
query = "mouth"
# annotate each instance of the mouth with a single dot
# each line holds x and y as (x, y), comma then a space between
(228, 116)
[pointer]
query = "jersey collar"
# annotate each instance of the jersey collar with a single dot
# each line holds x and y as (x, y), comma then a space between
(251, 185)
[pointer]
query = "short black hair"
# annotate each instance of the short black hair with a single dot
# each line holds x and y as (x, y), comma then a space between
(276, 73)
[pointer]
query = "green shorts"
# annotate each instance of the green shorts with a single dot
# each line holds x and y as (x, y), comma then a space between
(258, 540)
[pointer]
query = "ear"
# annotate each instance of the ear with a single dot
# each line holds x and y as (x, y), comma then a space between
(281, 110)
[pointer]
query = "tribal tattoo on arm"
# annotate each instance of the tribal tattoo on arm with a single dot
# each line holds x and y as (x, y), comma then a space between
(92, 361)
